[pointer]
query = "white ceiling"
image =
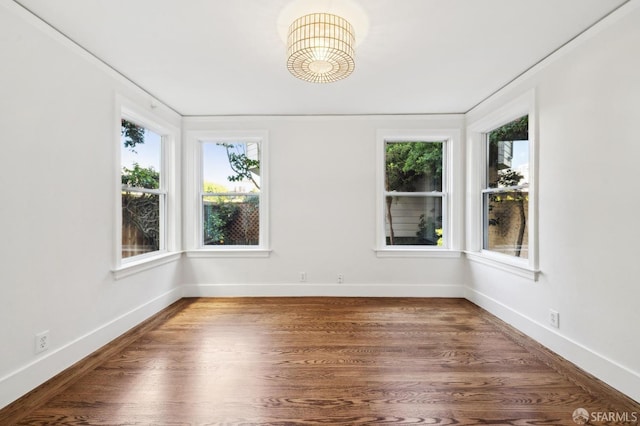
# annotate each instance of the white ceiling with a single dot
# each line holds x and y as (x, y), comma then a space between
(221, 57)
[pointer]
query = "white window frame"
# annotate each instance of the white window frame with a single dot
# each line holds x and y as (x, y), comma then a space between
(169, 215)
(451, 194)
(193, 191)
(477, 186)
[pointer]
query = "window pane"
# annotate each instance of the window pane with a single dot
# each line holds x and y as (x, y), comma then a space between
(505, 224)
(140, 223)
(413, 166)
(413, 221)
(230, 167)
(141, 156)
(231, 193)
(141, 159)
(231, 219)
(508, 154)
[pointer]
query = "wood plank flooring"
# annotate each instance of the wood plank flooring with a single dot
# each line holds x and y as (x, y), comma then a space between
(318, 361)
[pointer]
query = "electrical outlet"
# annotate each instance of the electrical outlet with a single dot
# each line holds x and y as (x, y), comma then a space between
(42, 341)
(340, 278)
(303, 277)
(554, 318)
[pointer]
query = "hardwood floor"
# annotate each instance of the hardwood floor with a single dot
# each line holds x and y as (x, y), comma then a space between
(350, 361)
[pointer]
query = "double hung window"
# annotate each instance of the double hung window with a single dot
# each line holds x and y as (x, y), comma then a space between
(505, 196)
(147, 189)
(502, 189)
(418, 214)
(414, 193)
(230, 193)
(143, 193)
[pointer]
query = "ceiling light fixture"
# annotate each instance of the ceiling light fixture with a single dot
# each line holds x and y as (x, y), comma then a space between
(320, 48)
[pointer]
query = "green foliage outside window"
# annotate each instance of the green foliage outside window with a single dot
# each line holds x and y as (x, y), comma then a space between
(217, 217)
(515, 201)
(140, 210)
(233, 218)
(408, 165)
(240, 163)
(140, 177)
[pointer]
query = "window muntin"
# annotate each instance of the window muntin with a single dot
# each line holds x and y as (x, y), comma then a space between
(505, 196)
(414, 193)
(230, 194)
(143, 194)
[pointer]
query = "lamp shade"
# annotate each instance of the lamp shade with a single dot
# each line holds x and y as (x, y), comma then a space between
(320, 48)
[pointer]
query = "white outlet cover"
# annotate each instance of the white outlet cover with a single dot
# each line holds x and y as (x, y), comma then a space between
(42, 341)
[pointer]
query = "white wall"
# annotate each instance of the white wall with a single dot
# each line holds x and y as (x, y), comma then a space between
(57, 213)
(589, 110)
(323, 214)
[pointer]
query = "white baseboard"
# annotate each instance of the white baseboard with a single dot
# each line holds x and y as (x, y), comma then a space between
(28, 377)
(328, 290)
(605, 369)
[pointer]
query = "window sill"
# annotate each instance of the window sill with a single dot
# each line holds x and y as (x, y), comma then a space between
(229, 252)
(416, 252)
(504, 263)
(137, 266)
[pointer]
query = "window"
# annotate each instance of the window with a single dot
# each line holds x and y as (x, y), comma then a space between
(505, 197)
(143, 196)
(230, 193)
(413, 193)
(146, 188)
(501, 188)
(415, 177)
